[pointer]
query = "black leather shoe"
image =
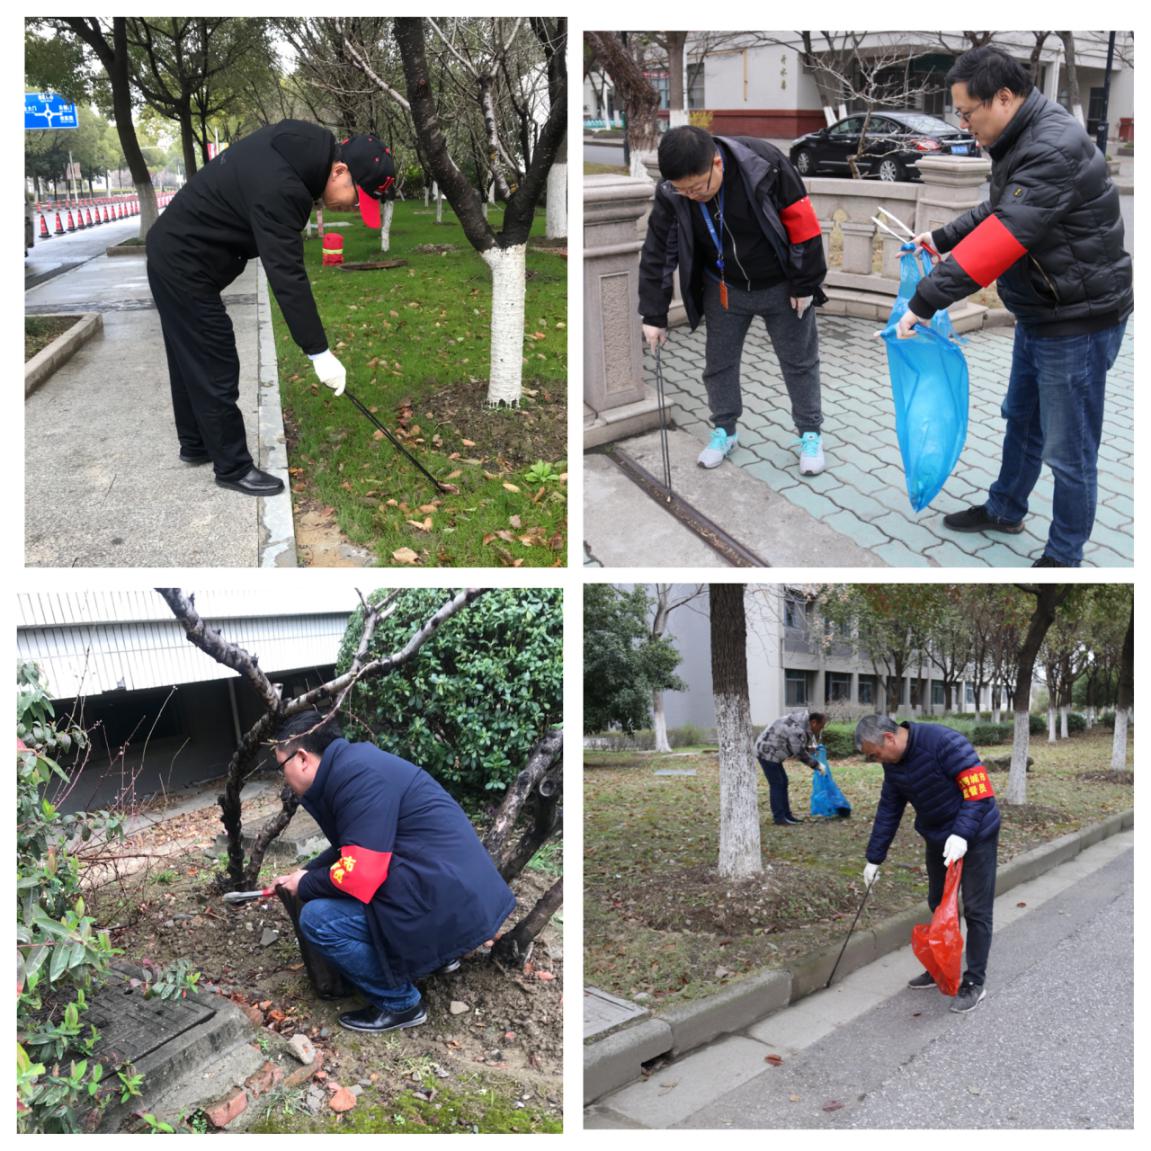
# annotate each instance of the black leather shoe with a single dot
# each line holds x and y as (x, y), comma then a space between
(372, 1018)
(1046, 561)
(977, 520)
(195, 458)
(254, 483)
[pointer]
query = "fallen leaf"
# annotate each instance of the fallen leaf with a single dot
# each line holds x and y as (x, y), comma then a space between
(468, 443)
(793, 1098)
(833, 1105)
(1021, 905)
(342, 1100)
(514, 521)
(405, 556)
(377, 434)
(510, 488)
(774, 1060)
(425, 526)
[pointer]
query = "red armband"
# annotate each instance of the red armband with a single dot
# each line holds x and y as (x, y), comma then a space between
(360, 872)
(800, 221)
(987, 252)
(974, 783)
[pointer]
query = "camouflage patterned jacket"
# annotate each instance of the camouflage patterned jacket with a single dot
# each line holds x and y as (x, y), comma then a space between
(789, 736)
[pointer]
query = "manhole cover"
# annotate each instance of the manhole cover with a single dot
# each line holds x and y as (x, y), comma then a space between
(131, 1026)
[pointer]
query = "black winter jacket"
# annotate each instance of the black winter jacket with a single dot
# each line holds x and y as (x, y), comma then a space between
(775, 189)
(431, 891)
(941, 776)
(1051, 231)
(252, 200)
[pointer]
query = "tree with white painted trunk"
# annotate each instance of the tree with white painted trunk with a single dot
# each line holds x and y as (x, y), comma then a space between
(739, 845)
(505, 251)
(1126, 698)
(666, 601)
(1048, 599)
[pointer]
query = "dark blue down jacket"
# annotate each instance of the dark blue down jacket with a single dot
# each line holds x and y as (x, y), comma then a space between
(431, 891)
(927, 778)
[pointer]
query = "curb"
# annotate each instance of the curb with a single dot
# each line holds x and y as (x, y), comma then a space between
(618, 1060)
(122, 249)
(277, 545)
(61, 349)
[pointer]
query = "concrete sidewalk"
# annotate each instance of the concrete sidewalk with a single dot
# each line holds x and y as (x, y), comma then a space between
(862, 495)
(791, 1005)
(104, 486)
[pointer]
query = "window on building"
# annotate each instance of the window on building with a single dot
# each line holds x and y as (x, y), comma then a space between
(795, 688)
(795, 613)
(695, 97)
(867, 689)
(936, 694)
(969, 694)
(838, 687)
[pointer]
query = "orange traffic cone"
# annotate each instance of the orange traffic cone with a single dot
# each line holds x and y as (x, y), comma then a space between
(44, 233)
(79, 218)
(71, 222)
(106, 220)
(59, 225)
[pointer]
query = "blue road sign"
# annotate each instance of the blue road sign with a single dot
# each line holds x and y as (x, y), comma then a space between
(47, 110)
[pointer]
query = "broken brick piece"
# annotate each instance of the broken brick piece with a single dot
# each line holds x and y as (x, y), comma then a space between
(264, 1080)
(224, 1110)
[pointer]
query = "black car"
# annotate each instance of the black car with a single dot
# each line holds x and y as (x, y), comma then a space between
(895, 141)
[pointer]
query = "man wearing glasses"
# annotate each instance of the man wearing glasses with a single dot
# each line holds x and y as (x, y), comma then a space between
(406, 887)
(1051, 233)
(733, 215)
(940, 774)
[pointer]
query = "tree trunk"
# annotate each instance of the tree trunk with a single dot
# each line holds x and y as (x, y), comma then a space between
(188, 141)
(659, 722)
(439, 203)
(675, 43)
(543, 755)
(513, 948)
(508, 266)
(557, 206)
(1052, 735)
(1072, 70)
(1126, 696)
(386, 214)
(739, 846)
(1064, 710)
(1017, 777)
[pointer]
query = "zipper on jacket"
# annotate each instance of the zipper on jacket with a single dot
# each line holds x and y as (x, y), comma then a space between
(1046, 278)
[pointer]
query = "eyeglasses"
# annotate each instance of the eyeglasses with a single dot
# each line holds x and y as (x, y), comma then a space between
(282, 763)
(695, 188)
(965, 117)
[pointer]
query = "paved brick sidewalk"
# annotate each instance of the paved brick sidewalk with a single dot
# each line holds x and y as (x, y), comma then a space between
(862, 494)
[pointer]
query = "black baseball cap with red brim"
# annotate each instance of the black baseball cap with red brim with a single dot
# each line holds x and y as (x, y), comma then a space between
(374, 171)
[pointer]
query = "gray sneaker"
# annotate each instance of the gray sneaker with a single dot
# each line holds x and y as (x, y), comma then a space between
(969, 998)
(922, 981)
(718, 449)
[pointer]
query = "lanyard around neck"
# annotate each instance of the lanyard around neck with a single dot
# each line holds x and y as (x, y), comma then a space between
(716, 238)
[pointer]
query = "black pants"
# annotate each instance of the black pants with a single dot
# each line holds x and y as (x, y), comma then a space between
(977, 886)
(777, 790)
(204, 371)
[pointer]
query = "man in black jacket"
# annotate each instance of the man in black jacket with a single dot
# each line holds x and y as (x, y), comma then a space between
(252, 200)
(733, 215)
(406, 887)
(1051, 233)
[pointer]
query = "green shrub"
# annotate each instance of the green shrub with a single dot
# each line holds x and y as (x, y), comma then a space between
(688, 735)
(839, 739)
(60, 952)
(1106, 719)
(992, 733)
(1037, 724)
(482, 690)
(1075, 722)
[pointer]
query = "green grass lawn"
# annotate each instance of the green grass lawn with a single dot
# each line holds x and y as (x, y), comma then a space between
(40, 331)
(660, 925)
(415, 342)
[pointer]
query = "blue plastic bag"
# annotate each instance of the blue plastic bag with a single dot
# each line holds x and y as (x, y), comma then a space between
(929, 385)
(826, 798)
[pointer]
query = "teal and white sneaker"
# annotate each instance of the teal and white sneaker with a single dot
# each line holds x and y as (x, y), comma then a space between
(811, 461)
(718, 449)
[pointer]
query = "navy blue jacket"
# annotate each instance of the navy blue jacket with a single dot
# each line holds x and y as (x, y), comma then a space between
(431, 891)
(941, 776)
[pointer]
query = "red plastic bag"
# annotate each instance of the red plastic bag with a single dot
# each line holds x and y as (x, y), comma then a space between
(938, 945)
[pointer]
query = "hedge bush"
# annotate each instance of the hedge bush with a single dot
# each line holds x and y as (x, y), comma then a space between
(482, 690)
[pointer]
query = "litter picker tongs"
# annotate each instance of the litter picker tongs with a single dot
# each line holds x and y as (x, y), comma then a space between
(904, 235)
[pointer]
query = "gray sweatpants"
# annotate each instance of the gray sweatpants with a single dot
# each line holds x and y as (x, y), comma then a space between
(795, 342)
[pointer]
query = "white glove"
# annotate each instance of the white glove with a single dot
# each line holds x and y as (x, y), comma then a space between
(954, 849)
(801, 304)
(870, 873)
(654, 336)
(331, 372)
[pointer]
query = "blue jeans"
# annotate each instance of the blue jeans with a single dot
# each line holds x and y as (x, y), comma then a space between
(776, 778)
(338, 929)
(1054, 414)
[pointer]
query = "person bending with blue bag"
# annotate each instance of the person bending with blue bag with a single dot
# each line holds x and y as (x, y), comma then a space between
(793, 735)
(1051, 234)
